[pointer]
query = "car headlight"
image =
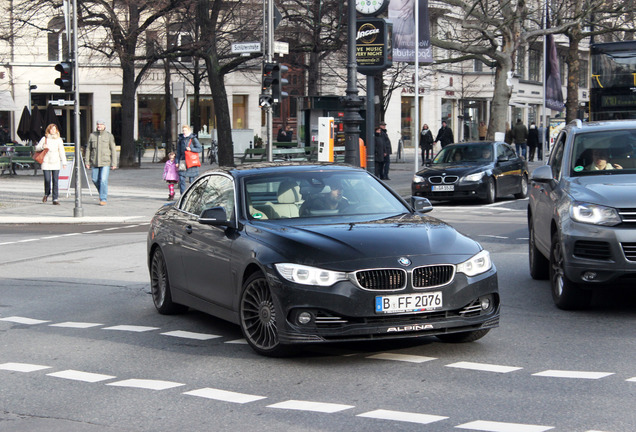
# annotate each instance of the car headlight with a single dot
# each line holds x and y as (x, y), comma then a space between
(306, 275)
(418, 179)
(477, 264)
(594, 214)
(474, 177)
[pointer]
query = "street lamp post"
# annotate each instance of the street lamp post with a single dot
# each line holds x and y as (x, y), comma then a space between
(352, 101)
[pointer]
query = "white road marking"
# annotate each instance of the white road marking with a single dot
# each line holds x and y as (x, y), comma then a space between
(492, 236)
(225, 396)
(237, 341)
(70, 234)
(484, 367)
(50, 237)
(23, 320)
(401, 357)
(146, 384)
(311, 406)
(27, 240)
(74, 324)
(81, 376)
(490, 426)
(402, 416)
(92, 232)
(22, 367)
(633, 379)
(573, 374)
(191, 335)
(131, 328)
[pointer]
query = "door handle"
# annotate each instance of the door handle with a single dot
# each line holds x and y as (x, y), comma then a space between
(188, 229)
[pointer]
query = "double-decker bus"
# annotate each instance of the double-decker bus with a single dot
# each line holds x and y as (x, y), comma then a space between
(613, 81)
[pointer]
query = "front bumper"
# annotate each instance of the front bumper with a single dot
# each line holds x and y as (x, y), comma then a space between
(599, 255)
(345, 312)
(472, 190)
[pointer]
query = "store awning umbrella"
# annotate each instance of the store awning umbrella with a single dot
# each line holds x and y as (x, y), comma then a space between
(37, 126)
(24, 127)
(51, 118)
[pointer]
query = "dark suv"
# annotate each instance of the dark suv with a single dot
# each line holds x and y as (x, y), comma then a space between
(582, 211)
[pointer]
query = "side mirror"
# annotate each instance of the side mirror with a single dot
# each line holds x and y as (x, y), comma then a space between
(214, 216)
(421, 205)
(542, 174)
(503, 158)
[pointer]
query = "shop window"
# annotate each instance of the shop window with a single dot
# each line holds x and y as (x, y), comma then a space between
(239, 112)
(151, 117)
(206, 113)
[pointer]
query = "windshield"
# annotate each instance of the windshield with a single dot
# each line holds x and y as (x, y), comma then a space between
(606, 152)
(464, 153)
(317, 193)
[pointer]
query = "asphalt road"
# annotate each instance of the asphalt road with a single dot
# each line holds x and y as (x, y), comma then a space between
(82, 349)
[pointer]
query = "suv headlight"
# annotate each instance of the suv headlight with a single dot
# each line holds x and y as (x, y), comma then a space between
(306, 275)
(594, 214)
(477, 264)
(473, 177)
(418, 179)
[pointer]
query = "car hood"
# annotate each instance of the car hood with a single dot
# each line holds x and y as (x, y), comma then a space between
(453, 169)
(370, 243)
(616, 190)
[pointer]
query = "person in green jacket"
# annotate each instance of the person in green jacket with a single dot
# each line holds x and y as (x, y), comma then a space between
(101, 155)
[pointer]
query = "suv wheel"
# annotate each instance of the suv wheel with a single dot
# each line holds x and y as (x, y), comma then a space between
(566, 294)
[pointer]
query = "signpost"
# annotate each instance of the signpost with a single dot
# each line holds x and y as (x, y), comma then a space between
(246, 47)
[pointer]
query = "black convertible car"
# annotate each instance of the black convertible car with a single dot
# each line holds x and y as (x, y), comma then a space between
(317, 253)
(482, 170)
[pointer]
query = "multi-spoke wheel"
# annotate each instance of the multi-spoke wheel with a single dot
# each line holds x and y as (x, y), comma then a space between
(160, 286)
(523, 191)
(566, 294)
(491, 191)
(259, 317)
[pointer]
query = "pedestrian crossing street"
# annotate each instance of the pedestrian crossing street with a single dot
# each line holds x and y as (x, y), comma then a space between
(322, 407)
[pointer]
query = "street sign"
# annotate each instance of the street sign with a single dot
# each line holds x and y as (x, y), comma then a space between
(246, 47)
(281, 47)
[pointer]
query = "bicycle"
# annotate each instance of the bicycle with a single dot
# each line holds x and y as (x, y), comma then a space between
(213, 152)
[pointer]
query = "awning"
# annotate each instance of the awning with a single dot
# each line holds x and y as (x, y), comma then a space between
(6, 102)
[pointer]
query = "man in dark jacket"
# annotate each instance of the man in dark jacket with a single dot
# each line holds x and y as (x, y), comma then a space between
(444, 135)
(386, 151)
(533, 140)
(520, 135)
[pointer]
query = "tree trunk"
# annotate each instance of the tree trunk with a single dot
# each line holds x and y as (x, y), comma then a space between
(167, 130)
(499, 104)
(313, 74)
(222, 112)
(127, 153)
(572, 101)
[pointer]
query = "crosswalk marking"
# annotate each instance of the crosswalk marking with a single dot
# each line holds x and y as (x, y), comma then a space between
(23, 320)
(22, 367)
(322, 407)
(146, 384)
(190, 335)
(573, 374)
(224, 395)
(483, 367)
(74, 324)
(132, 328)
(402, 416)
(402, 357)
(491, 426)
(81, 376)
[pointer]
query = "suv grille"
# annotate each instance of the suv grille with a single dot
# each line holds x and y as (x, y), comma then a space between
(384, 279)
(629, 249)
(628, 215)
(443, 180)
(424, 277)
(592, 250)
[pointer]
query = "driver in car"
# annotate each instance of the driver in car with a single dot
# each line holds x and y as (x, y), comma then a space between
(601, 158)
(330, 200)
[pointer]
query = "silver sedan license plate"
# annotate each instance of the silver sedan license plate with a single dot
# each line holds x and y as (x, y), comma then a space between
(419, 302)
(444, 188)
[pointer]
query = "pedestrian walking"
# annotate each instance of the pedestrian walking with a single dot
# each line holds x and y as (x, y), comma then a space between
(101, 155)
(444, 135)
(171, 174)
(53, 159)
(520, 135)
(533, 140)
(426, 143)
(387, 150)
(188, 141)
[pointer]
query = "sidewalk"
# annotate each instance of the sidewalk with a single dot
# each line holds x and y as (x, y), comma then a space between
(134, 195)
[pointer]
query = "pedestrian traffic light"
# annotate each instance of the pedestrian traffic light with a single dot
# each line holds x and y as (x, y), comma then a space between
(277, 86)
(65, 81)
(268, 76)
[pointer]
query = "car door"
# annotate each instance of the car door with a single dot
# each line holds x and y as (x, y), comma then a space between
(208, 248)
(507, 168)
(547, 196)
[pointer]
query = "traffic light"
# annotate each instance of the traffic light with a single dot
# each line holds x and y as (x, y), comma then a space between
(268, 76)
(65, 81)
(277, 86)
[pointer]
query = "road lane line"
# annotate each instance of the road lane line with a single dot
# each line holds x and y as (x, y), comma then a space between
(132, 328)
(491, 426)
(22, 367)
(402, 416)
(23, 320)
(573, 374)
(402, 357)
(322, 407)
(146, 384)
(75, 375)
(74, 324)
(190, 335)
(224, 395)
(484, 367)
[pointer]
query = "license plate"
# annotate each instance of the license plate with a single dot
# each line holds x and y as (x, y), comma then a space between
(420, 302)
(443, 188)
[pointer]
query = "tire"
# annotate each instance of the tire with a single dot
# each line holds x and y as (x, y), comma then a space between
(524, 188)
(491, 192)
(566, 294)
(539, 265)
(469, 336)
(160, 286)
(259, 317)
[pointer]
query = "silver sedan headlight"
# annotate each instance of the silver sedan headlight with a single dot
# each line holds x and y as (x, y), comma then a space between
(307, 275)
(594, 214)
(477, 264)
(473, 177)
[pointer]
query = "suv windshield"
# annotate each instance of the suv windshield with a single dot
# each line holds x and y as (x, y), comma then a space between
(606, 152)
(469, 153)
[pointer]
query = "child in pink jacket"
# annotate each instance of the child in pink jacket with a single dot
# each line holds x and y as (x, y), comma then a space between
(171, 174)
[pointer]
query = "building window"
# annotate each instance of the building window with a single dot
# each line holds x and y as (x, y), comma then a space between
(534, 65)
(58, 47)
(151, 116)
(478, 66)
(583, 71)
(206, 108)
(520, 68)
(239, 112)
(152, 43)
(563, 70)
(180, 38)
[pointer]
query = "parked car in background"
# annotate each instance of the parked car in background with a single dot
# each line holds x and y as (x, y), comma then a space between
(479, 170)
(299, 254)
(582, 212)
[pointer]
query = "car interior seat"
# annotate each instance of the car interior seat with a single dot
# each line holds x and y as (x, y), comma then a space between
(288, 200)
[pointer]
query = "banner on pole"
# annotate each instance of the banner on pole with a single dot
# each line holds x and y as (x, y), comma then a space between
(402, 14)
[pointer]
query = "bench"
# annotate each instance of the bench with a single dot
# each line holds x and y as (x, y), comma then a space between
(252, 155)
(16, 155)
(295, 154)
